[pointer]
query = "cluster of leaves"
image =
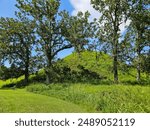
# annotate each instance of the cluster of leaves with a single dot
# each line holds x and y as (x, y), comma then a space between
(12, 72)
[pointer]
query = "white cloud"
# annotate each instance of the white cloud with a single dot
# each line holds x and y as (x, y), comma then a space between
(123, 25)
(84, 5)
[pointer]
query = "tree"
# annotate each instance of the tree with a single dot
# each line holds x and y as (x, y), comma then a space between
(48, 29)
(1, 57)
(138, 30)
(113, 14)
(145, 64)
(76, 30)
(18, 37)
(3, 50)
(3, 39)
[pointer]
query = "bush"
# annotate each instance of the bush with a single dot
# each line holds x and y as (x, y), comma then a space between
(11, 72)
(14, 82)
(65, 74)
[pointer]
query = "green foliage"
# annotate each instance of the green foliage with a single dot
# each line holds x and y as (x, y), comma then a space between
(37, 87)
(41, 31)
(138, 32)
(12, 82)
(146, 64)
(54, 31)
(114, 13)
(69, 70)
(100, 98)
(48, 29)
(39, 76)
(12, 72)
(18, 37)
(76, 29)
(100, 64)
(89, 68)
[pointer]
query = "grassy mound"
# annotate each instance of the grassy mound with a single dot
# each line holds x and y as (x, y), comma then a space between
(101, 64)
(89, 68)
(22, 101)
(99, 98)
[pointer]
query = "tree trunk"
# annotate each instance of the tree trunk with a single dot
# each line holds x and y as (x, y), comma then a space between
(115, 52)
(48, 75)
(115, 63)
(26, 80)
(138, 59)
(49, 65)
(138, 72)
(138, 67)
(48, 78)
(115, 42)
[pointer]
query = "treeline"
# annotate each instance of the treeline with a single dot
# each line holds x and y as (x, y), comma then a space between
(40, 31)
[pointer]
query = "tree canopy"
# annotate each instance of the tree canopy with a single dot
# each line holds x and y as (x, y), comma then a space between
(40, 31)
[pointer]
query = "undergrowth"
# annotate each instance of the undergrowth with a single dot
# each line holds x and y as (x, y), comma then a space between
(99, 98)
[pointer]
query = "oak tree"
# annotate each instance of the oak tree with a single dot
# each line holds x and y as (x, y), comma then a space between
(48, 30)
(113, 14)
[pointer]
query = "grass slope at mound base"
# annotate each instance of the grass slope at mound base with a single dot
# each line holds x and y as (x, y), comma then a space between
(25, 102)
(99, 98)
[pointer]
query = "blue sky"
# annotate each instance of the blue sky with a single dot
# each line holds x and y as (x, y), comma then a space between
(7, 8)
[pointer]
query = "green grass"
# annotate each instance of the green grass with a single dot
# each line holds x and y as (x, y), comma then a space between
(1, 83)
(25, 102)
(99, 98)
(127, 96)
(103, 65)
(11, 82)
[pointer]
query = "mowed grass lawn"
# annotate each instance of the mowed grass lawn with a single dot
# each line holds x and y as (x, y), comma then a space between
(25, 102)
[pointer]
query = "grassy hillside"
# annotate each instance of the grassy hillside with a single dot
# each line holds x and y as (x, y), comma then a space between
(69, 96)
(22, 101)
(99, 98)
(101, 64)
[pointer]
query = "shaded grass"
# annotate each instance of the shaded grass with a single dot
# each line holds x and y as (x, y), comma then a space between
(22, 101)
(99, 98)
(11, 82)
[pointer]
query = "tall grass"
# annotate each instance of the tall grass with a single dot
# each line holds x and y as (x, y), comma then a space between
(99, 98)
